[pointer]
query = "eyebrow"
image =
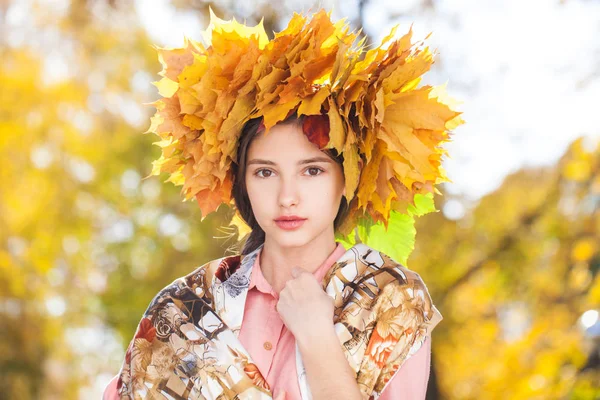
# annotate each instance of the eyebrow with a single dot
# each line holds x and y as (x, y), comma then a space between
(301, 162)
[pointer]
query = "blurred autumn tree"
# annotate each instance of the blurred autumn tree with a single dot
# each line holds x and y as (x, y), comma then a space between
(85, 243)
(512, 278)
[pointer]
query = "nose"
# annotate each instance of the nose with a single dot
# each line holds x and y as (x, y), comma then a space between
(288, 192)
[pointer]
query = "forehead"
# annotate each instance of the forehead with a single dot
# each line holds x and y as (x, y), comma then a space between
(283, 141)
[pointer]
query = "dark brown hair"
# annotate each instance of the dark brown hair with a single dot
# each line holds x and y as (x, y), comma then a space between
(240, 192)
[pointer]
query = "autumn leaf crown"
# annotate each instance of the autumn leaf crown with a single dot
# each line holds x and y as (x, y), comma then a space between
(377, 112)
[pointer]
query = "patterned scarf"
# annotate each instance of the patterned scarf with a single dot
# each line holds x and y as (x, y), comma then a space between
(186, 345)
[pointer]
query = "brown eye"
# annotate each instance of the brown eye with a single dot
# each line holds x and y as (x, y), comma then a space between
(314, 171)
(264, 171)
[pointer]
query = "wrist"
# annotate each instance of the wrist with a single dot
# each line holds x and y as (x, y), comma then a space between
(318, 339)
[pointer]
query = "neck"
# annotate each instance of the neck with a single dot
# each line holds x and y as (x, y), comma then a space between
(276, 261)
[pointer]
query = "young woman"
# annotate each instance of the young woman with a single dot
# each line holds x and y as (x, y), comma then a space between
(292, 193)
(295, 315)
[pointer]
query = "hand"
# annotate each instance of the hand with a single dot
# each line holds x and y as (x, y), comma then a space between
(306, 310)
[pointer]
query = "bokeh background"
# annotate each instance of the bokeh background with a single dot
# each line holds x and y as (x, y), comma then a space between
(511, 260)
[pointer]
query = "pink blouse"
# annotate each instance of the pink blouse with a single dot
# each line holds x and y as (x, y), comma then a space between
(272, 346)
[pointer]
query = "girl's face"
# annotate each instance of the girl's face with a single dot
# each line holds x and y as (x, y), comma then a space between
(287, 175)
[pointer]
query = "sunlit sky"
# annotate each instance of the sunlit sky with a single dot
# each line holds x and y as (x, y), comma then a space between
(527, 73)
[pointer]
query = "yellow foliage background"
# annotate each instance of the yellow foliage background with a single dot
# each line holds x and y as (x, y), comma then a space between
(85, 243)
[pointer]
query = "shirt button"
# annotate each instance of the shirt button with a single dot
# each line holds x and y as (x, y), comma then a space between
(267, 345)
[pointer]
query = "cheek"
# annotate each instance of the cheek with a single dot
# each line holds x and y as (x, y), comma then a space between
(261, 197)
(337, 186)
(253, 193)
(325, 199)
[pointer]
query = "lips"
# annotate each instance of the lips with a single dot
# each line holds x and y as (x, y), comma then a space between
(289, 218)
(290, 222)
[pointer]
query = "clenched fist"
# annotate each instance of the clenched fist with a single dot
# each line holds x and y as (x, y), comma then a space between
(306, 310)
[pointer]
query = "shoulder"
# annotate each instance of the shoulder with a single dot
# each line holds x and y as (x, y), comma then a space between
(188, 296)
(398, 284)
(202, 278)
(192, 285)
(374, 260)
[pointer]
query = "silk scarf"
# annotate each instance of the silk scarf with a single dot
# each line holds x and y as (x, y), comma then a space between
(186, 344)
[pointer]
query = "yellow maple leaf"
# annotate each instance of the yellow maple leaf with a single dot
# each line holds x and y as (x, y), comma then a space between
(174, 60)
(337, 131)
(312, 105)
(166, 87)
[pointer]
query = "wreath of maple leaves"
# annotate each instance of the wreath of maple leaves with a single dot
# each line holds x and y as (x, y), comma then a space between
(388, 128)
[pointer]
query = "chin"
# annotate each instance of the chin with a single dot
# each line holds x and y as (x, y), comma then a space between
(291, 239)
(296, 238)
